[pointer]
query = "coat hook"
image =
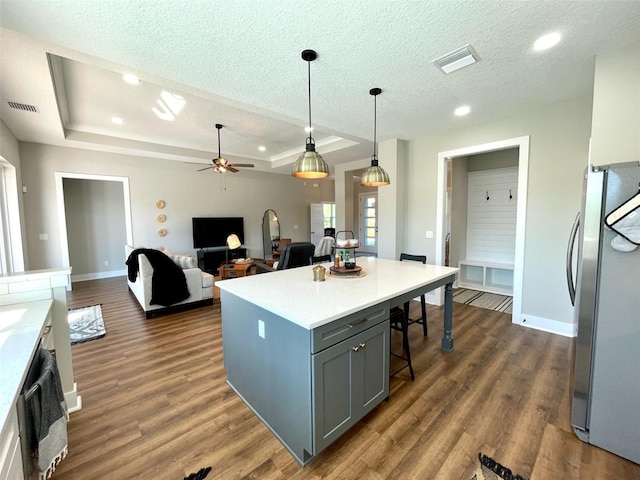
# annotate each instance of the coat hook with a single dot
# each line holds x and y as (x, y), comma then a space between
(487, 196)
(510, 195)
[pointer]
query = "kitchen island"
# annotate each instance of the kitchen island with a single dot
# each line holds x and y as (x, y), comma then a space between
(312, 358)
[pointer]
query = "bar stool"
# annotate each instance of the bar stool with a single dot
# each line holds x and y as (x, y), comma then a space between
(400, 321)
(423, 304)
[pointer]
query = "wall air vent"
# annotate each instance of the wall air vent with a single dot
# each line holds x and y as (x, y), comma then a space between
(457, 59)
(23, 106)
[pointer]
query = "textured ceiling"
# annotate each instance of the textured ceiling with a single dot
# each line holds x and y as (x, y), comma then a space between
(238, 63)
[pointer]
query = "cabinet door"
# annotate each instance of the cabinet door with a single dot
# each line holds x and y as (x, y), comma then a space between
(373, 367)
(333, 392)
(349, 380)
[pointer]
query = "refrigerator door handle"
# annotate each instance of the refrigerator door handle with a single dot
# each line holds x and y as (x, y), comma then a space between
(572, 240)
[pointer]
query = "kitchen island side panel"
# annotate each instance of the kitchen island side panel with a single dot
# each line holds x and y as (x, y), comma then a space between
(271, 374)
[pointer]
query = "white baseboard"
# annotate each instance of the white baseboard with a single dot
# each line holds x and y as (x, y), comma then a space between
(547, 325)
(73, 400)
(94, 276)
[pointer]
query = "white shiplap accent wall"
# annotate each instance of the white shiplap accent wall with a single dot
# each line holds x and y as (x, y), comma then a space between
(491, 223)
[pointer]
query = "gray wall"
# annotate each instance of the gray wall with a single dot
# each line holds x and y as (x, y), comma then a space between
(559, 141)
(10, 151)
(615, 133)
(94, 212)
(187, 194)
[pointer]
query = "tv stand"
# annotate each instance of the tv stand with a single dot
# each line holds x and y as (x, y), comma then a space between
(209, 260)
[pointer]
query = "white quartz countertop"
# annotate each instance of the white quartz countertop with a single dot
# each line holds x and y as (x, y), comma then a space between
(292, 294)
(21, 326)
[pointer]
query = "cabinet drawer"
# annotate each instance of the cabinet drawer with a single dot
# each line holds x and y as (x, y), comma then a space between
(338, 330)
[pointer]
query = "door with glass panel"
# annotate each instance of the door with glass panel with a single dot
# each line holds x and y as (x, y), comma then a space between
(368, 223)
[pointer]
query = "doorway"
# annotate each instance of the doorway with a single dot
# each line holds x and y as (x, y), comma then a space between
(522, 144)
(125, 215)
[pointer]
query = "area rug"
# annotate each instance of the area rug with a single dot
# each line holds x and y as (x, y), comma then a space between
(490, 301)
(85, 324)
(489, 469)
(199, 475)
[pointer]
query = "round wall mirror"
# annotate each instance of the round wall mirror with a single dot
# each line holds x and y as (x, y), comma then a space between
(270, 233)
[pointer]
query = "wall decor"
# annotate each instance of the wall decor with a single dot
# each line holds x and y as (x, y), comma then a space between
(160, 204)
(162, 232)
(161, 218)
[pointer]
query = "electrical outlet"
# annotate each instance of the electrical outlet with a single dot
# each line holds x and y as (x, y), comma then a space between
(44, 236)
(261, 329)
(429, 233)
(106, 263)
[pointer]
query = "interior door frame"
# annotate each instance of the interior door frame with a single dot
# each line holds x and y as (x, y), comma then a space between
(62, 219)
(522, 144)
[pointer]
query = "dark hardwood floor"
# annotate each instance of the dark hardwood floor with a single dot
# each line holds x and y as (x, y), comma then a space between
(156, 405)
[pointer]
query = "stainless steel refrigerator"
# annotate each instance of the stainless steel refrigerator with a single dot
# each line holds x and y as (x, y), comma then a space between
(606, 294)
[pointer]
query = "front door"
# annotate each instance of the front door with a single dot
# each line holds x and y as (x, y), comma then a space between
(368, 223)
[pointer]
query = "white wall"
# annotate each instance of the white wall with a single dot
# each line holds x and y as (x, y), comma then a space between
(187, 194)
(559, 140)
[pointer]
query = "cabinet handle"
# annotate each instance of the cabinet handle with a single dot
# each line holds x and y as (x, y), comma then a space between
(359, 322)
(363, 345)
(356, 348)
(46, 330)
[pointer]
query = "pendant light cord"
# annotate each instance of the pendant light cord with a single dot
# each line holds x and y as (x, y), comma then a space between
(309, 81)
(375, 126)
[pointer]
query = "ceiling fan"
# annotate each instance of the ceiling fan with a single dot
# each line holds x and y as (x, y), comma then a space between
(222, 165)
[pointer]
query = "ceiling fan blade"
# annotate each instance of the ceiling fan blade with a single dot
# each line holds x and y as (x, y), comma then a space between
(207, 168)
(231, 169)
(243, 165)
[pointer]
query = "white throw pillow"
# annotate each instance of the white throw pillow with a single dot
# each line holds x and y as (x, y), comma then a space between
(183, 261)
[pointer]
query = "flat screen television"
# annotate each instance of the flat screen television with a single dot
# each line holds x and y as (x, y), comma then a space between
(211, 232)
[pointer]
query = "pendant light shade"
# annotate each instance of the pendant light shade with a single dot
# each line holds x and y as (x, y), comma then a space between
(310, 163)
(375, 176)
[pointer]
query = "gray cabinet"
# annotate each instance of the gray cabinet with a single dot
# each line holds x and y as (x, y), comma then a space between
(349, 380)
(307, 386)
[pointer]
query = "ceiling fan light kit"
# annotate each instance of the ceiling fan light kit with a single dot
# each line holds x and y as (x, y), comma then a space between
(375, 176)
(310, 163)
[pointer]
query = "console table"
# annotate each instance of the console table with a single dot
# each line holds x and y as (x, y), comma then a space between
(235, 270)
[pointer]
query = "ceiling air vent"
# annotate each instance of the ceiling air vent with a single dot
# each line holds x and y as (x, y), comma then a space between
(457, 59)
(22, 106)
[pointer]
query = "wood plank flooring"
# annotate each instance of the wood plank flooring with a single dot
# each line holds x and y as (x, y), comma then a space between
(156, 405)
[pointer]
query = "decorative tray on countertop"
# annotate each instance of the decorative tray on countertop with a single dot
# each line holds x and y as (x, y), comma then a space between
(345, 271)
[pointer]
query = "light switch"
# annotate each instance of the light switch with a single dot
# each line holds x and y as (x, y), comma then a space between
(429, 233)
(295, 227)
(261, 329)
(44, 236)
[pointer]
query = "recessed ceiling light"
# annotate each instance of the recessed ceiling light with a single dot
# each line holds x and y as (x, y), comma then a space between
(462, 111)
(547, 41)
(131, 79)
(262, 148)
(117, 120)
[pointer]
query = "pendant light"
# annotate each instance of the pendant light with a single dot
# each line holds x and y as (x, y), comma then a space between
(310, 163)
(375, 176)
